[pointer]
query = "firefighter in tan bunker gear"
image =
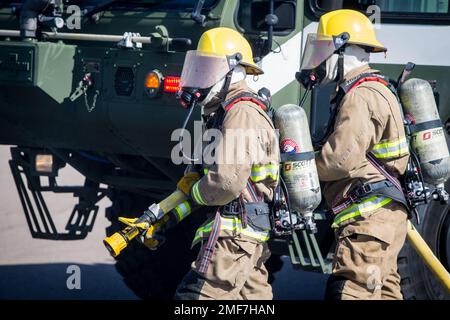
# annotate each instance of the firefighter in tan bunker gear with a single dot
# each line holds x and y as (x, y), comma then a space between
(236, 184)
(367, 137)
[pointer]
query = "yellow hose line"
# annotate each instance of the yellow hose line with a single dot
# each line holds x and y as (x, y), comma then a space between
(176, 198)
(427, 255)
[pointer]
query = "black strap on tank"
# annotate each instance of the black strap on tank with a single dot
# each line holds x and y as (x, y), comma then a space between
(302, 156)
(433, 124)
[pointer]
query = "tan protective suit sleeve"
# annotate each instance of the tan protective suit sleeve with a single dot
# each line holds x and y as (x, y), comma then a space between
(347, 146)
(228, 177)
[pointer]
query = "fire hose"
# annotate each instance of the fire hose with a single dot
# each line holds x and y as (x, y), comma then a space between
(428, 257)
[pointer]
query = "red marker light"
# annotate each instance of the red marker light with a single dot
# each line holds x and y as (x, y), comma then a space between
(171, 84)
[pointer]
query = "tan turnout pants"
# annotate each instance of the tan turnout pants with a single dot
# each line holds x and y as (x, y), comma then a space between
(236, 272)
(365, 262)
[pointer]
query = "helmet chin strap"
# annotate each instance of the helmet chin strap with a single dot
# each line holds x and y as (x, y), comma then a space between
(234, 75)
(226, 86)
(340, 66)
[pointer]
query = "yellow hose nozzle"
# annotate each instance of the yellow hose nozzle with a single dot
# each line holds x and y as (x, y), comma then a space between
(119, 240)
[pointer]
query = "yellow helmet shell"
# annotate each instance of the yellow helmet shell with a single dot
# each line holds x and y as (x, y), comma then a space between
(224, 42)
(356, 24)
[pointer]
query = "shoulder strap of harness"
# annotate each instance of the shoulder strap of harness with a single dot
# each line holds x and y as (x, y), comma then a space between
(230, 103)
(348, 85)
(245, 96)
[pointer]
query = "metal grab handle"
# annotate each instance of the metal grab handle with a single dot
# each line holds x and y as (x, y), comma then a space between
(79, 36)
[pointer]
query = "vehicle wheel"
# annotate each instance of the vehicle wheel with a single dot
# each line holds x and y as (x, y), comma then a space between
(152, 274)
(417, 280)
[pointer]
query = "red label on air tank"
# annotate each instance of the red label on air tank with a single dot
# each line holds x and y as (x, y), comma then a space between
(289, 146)
(427, 136)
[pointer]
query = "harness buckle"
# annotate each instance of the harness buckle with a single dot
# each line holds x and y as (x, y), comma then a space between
(363, 191)
(232, 209)
(354, 198)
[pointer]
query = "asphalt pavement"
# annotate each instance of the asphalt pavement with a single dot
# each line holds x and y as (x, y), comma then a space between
(82, 269)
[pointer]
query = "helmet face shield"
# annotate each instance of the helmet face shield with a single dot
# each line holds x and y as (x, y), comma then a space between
(201, 70)
(318, 48)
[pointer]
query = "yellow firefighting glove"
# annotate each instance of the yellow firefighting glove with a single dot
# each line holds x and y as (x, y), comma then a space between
(151, 235)
(185, 184)
(132, 223)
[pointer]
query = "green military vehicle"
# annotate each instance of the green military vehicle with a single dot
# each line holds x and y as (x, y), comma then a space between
(91, 84)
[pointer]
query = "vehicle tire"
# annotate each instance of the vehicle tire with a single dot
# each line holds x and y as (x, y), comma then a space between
(418, 282)
(152, 274)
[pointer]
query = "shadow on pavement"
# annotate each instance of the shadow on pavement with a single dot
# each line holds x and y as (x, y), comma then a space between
(49, 281)
(290, 284)
(101, 281)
